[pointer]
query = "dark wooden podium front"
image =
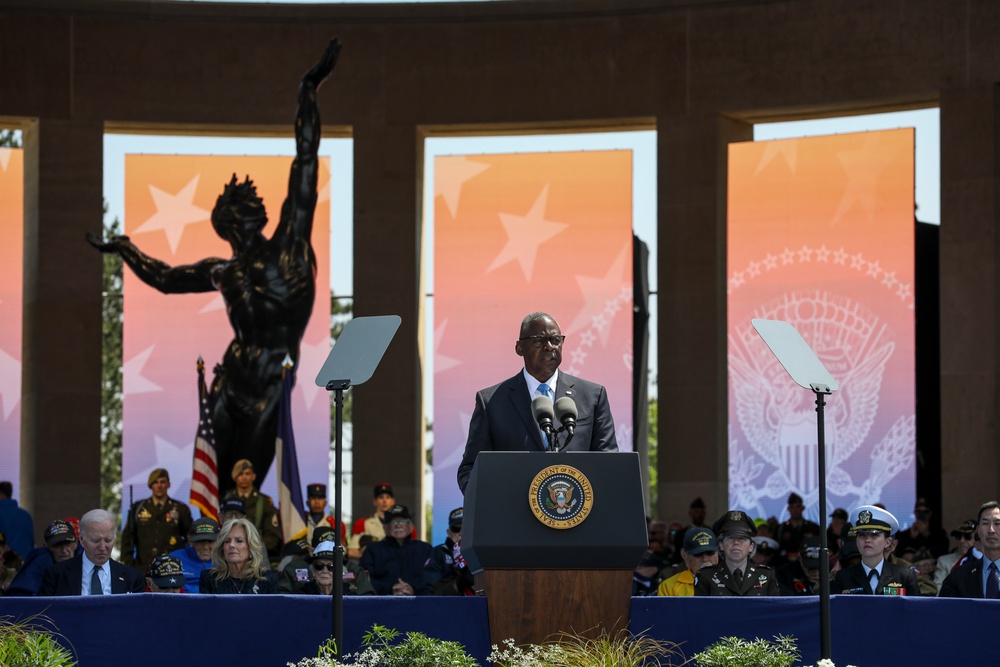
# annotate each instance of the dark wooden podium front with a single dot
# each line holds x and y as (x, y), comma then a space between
(540, 581)
(532, 606)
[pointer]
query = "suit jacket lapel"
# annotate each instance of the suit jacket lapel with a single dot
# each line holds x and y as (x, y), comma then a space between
(522, 406)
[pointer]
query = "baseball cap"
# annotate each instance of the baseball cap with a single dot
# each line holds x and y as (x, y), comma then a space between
(698, 540)
(166, 571)
(59, 531)
(396, 512)
(455, 518)
(205, 529)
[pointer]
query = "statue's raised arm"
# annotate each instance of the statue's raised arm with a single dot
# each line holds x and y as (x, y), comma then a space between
(159, 275)
(297, 212)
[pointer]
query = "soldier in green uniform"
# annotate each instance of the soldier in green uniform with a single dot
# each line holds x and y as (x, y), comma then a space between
(155, 525)
(736, 574)
(259, 508)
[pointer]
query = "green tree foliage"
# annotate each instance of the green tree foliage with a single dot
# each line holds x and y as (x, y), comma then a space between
(111, 375)
(10, 139)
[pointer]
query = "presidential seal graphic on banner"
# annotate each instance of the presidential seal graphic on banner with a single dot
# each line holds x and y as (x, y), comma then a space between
(561, 497)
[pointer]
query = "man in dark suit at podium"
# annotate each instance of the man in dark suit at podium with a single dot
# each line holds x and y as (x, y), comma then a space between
(503, 420)
(93, 572)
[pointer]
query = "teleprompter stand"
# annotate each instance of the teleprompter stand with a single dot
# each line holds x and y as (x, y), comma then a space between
(352, 361)
(807, 371)
(540, 580)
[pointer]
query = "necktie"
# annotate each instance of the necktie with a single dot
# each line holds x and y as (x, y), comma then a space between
(543, 389)
(738, 576)
(95, 582)
(993, 582)
(873, 579)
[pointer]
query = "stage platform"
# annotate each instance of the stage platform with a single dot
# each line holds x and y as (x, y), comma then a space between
(157, 630)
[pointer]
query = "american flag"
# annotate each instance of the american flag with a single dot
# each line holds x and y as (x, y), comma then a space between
(205, 469)
(290, 505)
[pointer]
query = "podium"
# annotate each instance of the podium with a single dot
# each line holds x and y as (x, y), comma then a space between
(553, 540)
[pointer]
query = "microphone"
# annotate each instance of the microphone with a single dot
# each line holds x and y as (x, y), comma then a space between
(566, 413)
(541, 410)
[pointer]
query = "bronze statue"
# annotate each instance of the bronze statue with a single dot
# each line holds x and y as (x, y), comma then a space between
(268, 285)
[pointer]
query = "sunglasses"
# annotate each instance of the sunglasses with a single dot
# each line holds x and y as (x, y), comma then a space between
(319, 567)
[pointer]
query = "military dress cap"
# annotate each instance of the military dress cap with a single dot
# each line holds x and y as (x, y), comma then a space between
(205, 529)
(965, 530)
(383, 487)
(59, 531)
(166, 571)
(324, 550)
(455, 518)
(734, 522)
(396, 512)
(794, 499)
(233, 505)
(323, 534)
(839, 513)
(240, 466)
(699, 540)
(157, 474)
(766, 545)
(809, 554)
(870, 517)
(316, 491)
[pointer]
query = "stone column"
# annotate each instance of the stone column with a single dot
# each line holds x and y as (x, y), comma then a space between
(692, 176)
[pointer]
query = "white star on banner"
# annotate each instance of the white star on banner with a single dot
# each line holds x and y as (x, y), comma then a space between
(441, 361)
(174, 212)
(595, 292)
(524, 234)
(451, 174)
(132, 380)
(5, 157)
(10, 383)
(864, 170)
(311, 357)
(772, 149)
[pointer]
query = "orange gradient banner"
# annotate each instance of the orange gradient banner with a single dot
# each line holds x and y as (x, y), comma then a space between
(821, 235)
(168, 203)
(11, 272)
(515, 234)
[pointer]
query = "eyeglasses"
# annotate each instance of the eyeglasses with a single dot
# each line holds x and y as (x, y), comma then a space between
(319, 567)
(540, 341)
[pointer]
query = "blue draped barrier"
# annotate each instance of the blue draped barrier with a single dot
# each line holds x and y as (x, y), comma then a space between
(170, 630)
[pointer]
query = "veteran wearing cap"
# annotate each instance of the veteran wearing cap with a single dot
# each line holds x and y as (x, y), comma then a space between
(197, 555)
(872, 528)
(155, 525)
(165, 575)
(736, 574)
(801, 577)
(259, 508)
(447, 573)
(60, 544)
(700, 550)
(383, 499)
(396, 562)
(967, 539)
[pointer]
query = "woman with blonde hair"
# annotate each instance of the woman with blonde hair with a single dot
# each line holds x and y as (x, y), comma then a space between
(238, 565)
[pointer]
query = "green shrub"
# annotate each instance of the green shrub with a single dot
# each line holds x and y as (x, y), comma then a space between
(570, 650)
(736, 652)
(381, 649)
(26, 644)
